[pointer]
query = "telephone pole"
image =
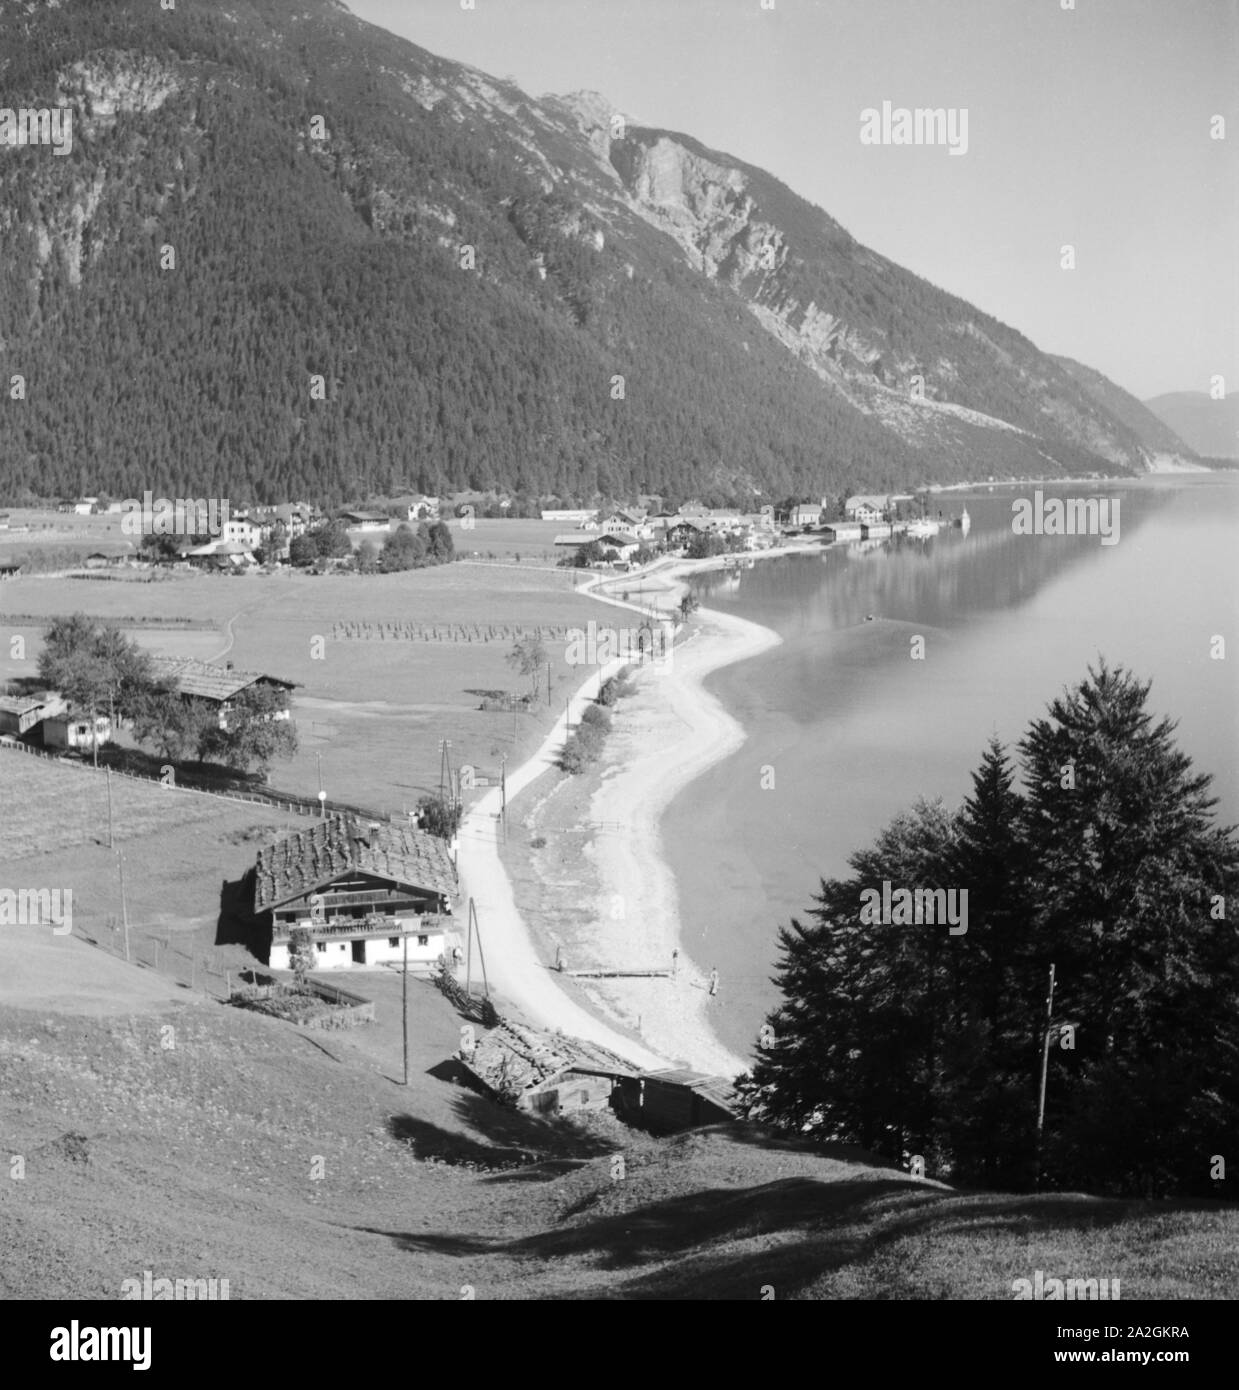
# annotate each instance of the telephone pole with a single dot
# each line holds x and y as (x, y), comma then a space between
(503, 793)
(445, 769)
(124, 905)
(404, 1006)
(1045, 1067)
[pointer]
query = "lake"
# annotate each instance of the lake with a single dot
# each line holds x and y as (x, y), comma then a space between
(851, 730)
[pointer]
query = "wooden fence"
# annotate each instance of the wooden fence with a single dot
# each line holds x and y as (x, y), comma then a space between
(152, 950)
(280, 800)
(479, 1010)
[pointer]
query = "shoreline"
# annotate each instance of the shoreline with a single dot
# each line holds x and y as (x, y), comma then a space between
(670, 732)
(662, 761)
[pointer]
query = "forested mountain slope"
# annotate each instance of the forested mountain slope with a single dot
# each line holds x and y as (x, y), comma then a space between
(471, 271)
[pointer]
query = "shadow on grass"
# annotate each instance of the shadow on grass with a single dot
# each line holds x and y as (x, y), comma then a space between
(516, 1147)
(791, 1234)
(237, 923)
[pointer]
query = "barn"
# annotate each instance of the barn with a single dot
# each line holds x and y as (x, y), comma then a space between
(542, 1073)
(217, 686)
(665, 1102)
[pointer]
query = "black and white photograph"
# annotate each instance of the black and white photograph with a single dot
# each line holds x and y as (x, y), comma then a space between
(619, 671)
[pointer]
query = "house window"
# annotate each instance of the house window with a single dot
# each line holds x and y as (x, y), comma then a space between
(393, 941)
(423, 940)
(321, 947)
(341, 947)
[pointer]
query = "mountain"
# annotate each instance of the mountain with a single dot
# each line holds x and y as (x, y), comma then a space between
(1210, 426)
(498, 292)
(1156, 435)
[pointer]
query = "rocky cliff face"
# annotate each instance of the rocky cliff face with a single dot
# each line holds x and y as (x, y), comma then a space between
(713, 212)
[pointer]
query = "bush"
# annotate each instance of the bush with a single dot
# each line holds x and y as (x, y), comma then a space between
(575, 757)
(615, 689)
(582, 747)
(598, 717)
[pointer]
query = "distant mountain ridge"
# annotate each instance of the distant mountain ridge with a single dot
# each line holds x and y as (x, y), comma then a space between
(498, 292)
(1210, 427)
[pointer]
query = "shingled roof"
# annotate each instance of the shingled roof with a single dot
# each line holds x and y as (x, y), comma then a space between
(528, 1057)
(308, 859)
(208, 681)
(712, 1088)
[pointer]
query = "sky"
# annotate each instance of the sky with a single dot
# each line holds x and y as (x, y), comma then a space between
(1088, 126)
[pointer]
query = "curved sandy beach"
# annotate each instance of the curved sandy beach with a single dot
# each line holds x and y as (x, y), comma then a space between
(667, 733)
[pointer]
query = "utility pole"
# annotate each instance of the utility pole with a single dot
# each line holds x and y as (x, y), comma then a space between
(503, 793)
(1045, 1066)
(469, 952)
(474, 927)
(124, 906)
(111, 840)
(404, 1006)
(445, 769)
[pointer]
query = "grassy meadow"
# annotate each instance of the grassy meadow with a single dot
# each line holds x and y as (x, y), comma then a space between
(374, 706)
(195, 1161)
(179, 846)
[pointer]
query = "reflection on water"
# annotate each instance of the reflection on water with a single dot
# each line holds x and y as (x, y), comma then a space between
(854, 729)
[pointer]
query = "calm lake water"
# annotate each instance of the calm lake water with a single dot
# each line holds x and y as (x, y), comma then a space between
(855, 730)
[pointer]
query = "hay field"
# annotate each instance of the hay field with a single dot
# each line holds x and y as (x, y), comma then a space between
(374, 707)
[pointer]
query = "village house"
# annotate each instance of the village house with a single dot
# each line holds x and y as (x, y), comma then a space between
(624, 544)
(73, 730)
(216, 686)
(219, 555)
(366, 891)
(679, 531)
(242, 529)
(366, 521)
(866, 507)
(420, 508)
(22, 714)
(843, 530)
(805, 514)
(626, 520)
